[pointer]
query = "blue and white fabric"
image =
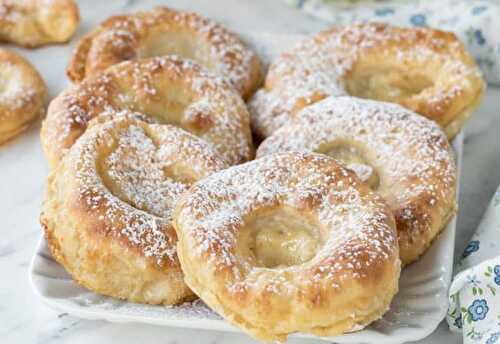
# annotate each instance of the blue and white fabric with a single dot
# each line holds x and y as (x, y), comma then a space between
(474, 295)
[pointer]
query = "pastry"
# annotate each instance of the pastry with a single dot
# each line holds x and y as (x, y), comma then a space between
(164, 31)
(22, 96)
(403, 156)
(289, 242)
(107, 212)
(425, 70)
(166, 90)
(32, 23)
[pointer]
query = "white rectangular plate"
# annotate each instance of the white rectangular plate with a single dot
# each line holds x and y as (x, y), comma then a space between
(415, 312)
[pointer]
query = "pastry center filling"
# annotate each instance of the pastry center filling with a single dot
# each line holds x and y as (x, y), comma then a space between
(135, 171)
(165, 41)
(194, 116)
(386, 84)
(283, 237)
(354, 160)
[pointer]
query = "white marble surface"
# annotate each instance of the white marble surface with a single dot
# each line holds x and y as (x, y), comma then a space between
(23, 319)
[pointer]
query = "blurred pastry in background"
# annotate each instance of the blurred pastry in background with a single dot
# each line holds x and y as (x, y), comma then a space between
(164, 31)
(22, 94)
(33, 23)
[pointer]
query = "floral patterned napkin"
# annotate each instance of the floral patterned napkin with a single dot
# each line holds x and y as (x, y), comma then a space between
(476, 22)
(474, 294)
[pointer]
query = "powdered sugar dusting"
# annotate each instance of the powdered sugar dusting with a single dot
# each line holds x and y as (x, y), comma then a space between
(138, 183)
(212, 45)
(318, 67)
(212, 111)
(410, 153)
(137, 174)
(16, 91)
(229, 56)
(360, 232)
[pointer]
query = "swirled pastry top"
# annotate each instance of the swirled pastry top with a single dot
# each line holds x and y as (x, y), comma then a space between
(289, 242)
(32, 23)
(425, 70)
(404, 156)
(127, 170)
(164, 31)
(108, 209)
(166, 90)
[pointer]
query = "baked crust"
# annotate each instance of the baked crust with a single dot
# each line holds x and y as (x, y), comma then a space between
(423, 69)
(33, 23)
(22, 97)
(165, 90)
(408, 153)
(164, 31)
(350, 278)
(108, 207)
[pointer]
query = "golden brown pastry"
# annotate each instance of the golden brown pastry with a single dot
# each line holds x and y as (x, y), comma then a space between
(32, 23)
(289, 242)
(22, 95)
(425, 70)
(107, 212)
(403, 156)
(166, 90)
(164, 31)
